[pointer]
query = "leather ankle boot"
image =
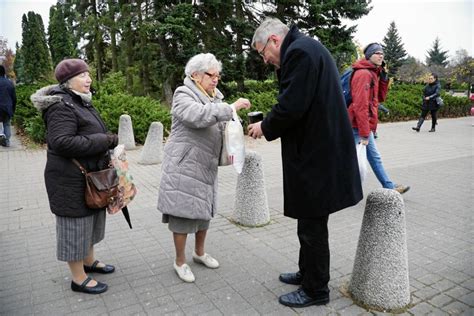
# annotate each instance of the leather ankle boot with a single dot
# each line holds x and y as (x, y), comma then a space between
(418, 125)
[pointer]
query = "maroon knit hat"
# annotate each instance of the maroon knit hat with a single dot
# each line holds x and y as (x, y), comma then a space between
(69, 68)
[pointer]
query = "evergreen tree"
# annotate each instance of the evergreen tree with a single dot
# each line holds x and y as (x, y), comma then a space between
(150, 41)
(18, 65)
(394, 52)
(60, 37)
(436, 56)
(178, 41)
(37, 63)
(324, 20)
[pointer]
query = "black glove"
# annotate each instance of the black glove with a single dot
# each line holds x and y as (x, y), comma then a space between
(112, 140)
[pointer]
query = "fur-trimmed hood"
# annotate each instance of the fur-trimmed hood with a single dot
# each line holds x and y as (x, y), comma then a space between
(47, 96)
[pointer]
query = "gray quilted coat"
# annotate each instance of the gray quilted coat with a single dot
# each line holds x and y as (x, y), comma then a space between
(188, 186)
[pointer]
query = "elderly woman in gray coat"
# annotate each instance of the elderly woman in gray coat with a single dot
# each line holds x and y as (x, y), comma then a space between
(188, 188)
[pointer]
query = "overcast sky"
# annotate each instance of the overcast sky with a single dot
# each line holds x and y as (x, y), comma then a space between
(418, 22)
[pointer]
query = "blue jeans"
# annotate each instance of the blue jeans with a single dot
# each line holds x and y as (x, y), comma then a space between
(375, 160)
(5, 128)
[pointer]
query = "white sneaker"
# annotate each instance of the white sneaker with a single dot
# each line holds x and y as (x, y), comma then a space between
(184, 272)
(206, 260)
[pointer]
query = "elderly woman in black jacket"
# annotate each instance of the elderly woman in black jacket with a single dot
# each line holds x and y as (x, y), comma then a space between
(75, 130)
(430, 94)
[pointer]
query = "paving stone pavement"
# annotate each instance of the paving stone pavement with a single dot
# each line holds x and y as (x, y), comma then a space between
(438, 167)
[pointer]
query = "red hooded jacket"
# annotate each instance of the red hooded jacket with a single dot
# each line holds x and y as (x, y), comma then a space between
(367, 89)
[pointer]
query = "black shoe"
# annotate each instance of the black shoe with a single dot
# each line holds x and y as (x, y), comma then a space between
(432, 130)
(99, 288)
(291, 278)
(416, 129)
(94, 268)
(3, 140)
(299, 298)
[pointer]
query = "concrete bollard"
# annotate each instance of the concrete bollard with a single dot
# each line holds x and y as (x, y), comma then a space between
(380, 275)
(251, 203)
(125, 132)
(152, 151)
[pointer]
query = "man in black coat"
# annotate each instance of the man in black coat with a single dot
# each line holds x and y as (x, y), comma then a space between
(7, 107)
(320, 170)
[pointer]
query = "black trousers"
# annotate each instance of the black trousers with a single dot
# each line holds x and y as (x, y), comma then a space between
(424, 113)
(314, 256)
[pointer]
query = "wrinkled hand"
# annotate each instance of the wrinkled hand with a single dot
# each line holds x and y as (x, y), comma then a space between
(255, 130)
(112, 140)
(364, 142)
(241, 103)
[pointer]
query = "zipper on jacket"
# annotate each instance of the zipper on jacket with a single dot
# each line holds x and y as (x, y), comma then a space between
(184, 155)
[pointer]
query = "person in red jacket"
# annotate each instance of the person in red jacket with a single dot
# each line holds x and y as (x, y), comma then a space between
(369, 85)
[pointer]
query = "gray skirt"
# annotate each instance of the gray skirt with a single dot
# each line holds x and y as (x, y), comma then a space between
(182, 225)
(76, 235)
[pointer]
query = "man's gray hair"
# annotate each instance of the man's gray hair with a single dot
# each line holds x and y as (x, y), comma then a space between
(201, 63)
(270, 26)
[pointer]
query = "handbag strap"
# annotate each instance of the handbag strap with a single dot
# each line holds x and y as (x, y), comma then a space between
(83, 170)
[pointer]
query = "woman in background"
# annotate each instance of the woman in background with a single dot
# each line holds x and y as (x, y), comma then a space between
(431, 92)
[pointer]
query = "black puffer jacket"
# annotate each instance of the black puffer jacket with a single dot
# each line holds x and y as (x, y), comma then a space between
(74, 130)
(431, 90)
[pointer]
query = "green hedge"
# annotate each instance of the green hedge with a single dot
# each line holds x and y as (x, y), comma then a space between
(27, 118)
(403, 101)
(142, 110)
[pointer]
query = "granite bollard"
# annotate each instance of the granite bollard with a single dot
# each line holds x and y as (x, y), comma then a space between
(125, 132)
(251, 203)
(152, 152)
(380, 274)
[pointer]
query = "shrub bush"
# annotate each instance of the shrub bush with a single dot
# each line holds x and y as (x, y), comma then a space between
(27, 118)
(261, 101)
(403, 101)
(142, 110)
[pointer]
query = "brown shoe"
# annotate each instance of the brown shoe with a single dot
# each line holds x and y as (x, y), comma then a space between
(401, 188)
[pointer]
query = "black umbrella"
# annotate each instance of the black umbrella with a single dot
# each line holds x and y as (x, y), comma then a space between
(127, 216)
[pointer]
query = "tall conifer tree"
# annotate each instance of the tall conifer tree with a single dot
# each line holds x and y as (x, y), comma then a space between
(60, 37)
(436, 56)
(18, 64)
(37, 62)
(394, 52)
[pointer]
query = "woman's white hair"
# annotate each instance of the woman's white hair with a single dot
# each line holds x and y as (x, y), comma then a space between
(201, 63)
(270, 26)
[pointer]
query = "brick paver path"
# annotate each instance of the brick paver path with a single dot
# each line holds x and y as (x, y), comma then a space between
(438, 166)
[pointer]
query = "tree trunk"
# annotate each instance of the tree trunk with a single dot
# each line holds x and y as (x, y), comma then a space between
(97, 42)
(144, 63)
(113, 34)
(126, 8)
(240, 60)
